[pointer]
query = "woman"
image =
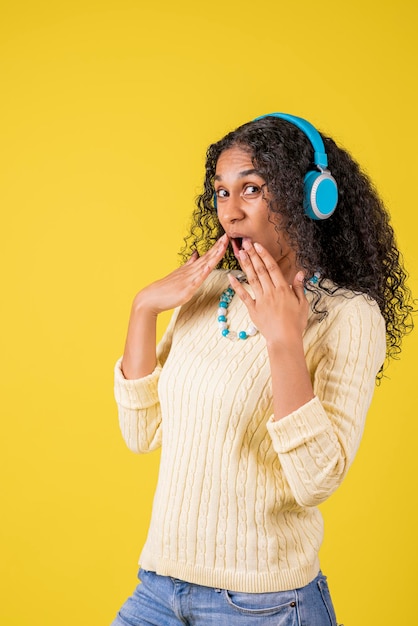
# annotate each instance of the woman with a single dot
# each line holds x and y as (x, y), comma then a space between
(258, 430)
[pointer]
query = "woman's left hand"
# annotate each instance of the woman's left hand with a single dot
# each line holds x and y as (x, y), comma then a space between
(278, 309)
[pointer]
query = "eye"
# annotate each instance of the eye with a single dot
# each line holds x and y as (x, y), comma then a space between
(221, 193)
(251, 190)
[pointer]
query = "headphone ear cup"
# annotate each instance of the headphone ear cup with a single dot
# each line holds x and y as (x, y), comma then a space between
(320, 195)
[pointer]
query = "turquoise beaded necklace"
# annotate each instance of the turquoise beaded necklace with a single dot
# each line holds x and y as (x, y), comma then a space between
(225, 301)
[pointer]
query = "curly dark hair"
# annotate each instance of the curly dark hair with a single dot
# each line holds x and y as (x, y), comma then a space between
(355, 248)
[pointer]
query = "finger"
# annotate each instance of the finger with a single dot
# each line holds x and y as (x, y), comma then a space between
(192, 258)
(218, 249)
(260, 272)
(241, 292)
(271, 265)
(220, 246)
(202, 267)
(252, 276)
(298, 286)
(215, 253)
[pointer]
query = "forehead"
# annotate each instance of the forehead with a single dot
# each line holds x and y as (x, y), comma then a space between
(234, 160)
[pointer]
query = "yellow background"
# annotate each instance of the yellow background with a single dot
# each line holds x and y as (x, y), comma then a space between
(106, 110)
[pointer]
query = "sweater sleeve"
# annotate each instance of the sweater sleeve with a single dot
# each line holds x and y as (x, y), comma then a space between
(316, 444)
(138, 403)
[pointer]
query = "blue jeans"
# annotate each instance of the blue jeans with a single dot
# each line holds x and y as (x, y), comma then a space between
(166, 601)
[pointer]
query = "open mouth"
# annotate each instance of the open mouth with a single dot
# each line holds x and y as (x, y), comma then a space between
(236, 243)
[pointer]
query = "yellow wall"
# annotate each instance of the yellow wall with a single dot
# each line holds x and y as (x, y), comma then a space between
(106, 110)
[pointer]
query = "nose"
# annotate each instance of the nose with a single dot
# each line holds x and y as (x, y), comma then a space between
(231, 209)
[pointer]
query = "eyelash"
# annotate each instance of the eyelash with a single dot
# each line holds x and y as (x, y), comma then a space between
(257, 189)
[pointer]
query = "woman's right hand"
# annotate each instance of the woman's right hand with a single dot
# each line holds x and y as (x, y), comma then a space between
(179, 286)
(175, 289)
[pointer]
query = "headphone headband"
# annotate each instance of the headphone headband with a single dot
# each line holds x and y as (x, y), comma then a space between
(320, 156)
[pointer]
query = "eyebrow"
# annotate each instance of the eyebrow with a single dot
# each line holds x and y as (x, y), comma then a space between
(242, 174)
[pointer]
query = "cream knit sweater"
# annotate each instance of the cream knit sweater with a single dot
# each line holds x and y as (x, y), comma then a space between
(235, 505)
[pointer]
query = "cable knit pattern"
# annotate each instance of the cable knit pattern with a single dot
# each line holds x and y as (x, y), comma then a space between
(235, 505)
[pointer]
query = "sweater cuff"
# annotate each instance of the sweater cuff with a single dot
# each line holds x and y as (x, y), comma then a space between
(140, 393)
(299, 427)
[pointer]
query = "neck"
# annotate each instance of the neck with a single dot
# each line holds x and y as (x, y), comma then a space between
(288, 267)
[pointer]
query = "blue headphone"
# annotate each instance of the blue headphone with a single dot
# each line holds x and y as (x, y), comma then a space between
(320, 188)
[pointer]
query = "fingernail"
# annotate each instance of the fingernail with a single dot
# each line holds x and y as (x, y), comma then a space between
(243, 255)
(300, 276)
(258, 247)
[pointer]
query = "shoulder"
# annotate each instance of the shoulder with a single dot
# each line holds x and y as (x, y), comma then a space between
(341, 303)
(341, 315)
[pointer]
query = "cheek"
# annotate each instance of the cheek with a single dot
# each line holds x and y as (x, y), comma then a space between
(220, 216)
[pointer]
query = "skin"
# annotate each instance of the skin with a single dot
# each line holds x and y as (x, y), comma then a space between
(241, 198)
(278, 306)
